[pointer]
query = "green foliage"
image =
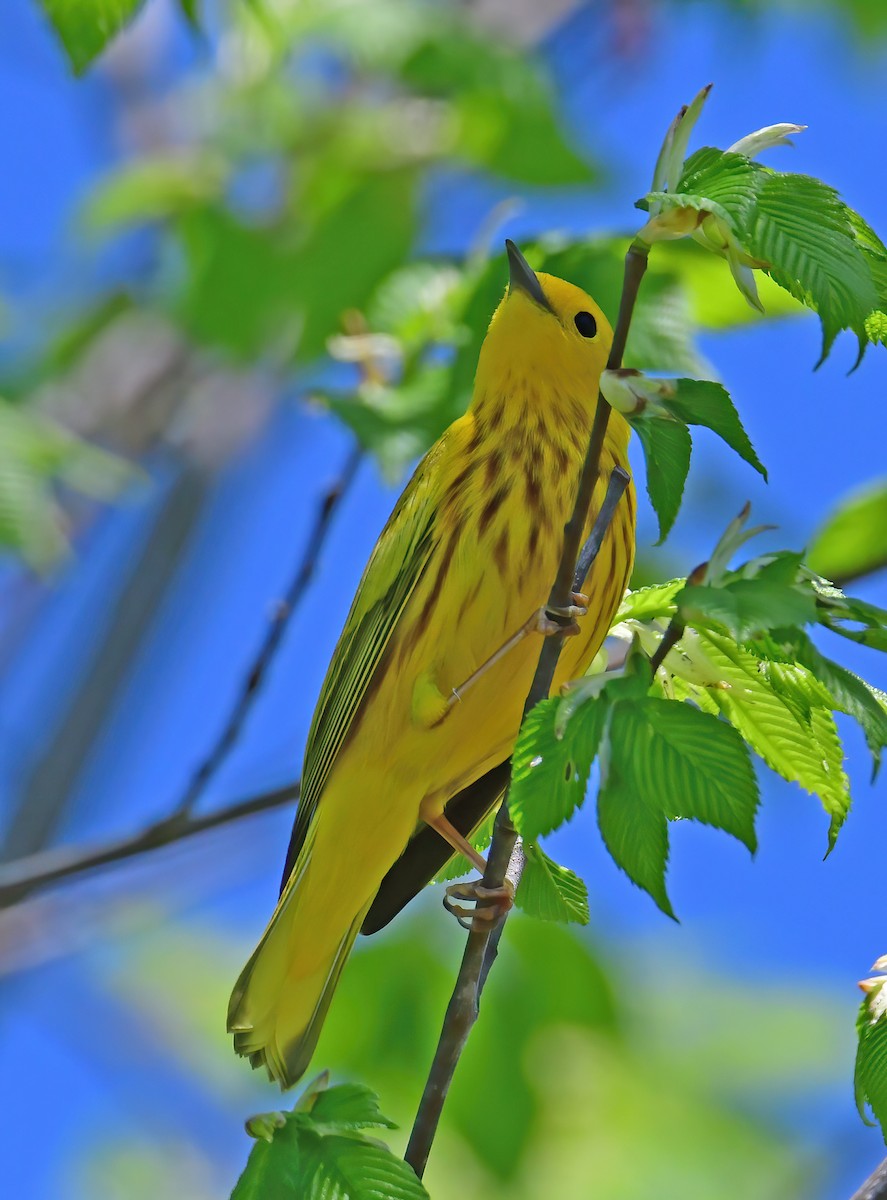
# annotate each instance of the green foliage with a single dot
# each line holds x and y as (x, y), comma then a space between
(667, 447)
(320, 1151)
(36, 458)
(551, 892)
(85, 27)
(660, 411)
(870, 1072)
(853, 539)
(794, 227)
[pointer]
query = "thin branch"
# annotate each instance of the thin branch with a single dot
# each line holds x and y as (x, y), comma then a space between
(330, 501)
(463, 1007)
(875, 1187)
(24, 875)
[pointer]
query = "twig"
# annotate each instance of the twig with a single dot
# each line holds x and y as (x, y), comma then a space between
(463, 1007)
(875, 1187)
(285, 609)
(24, 875)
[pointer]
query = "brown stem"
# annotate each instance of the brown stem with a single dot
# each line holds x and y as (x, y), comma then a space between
(463, 1007)
(875, 1187)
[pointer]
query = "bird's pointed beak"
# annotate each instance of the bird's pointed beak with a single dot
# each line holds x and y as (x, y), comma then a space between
(522, 277)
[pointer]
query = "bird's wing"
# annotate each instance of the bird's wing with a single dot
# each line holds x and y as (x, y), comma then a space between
(395, 567)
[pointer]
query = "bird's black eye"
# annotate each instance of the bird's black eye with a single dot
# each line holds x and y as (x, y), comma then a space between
(586, 324)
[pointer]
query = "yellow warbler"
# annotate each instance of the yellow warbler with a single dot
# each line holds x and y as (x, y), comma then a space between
(467, 556)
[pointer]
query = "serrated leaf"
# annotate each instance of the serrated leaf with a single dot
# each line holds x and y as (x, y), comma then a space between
(634, 832)
(701, 402)
(349, 1106)
(550, 773)
(870, 1071)
(729, 180)
(85, 27)
(352, 1168)
(802, 228)
(551, 892)
(747, 607)
(688, 762)
(667, 447)
(317, 1152)
(649, 603)
(853, 539)
(850, 695)
(773, 727)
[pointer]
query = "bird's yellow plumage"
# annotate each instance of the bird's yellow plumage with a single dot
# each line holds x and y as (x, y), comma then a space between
(469, 553)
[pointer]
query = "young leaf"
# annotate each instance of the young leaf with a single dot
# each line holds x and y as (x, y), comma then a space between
(747, 606)
(318, 1152)
(551, 892)
(701, 402)
(550, 773)
(773, 728)
(649, 603)
(870, 1072)
(349, 1106)
(667, 448)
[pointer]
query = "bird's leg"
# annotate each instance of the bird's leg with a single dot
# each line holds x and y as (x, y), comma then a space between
(451, 834)
(491, 903)
(547, 621)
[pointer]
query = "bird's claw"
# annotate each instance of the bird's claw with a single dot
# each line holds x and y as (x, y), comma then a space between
(490, 904)
(562, 618)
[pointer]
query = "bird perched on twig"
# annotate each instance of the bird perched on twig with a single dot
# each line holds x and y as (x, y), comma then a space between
(425, 690)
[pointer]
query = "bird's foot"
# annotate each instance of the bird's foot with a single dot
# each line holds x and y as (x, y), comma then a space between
(561, 619)
(490, 904)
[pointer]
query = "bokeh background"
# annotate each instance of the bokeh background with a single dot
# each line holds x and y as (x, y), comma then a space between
(182, 231)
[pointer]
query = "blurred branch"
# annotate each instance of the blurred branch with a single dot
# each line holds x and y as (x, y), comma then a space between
(19, 878)
(255, 677)
(875, 1187)
(22, 875)
(505, 860)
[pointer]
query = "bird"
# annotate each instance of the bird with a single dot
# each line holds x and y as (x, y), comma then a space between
(423, 698)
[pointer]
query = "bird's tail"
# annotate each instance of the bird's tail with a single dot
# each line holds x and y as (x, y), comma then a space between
(280, 1001)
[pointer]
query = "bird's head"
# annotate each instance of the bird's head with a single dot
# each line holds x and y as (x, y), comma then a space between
(547, 329)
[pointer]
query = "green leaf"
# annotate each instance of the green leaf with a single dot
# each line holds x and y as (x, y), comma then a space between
(550, 773)
(151, 190)
(870, 1071)
(772, 726)
(802, 228)
(850, 695)
(459, 864)
(348, 1168)
(85, 27)
(551, 892)
(318, 1152)
(853, 539)
(730, 181)
(505, 116)
(667, 448)
(701, 402)
(747, 607)
(349, 1106)
(635, 832)
(689, 763)
(649, 603)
